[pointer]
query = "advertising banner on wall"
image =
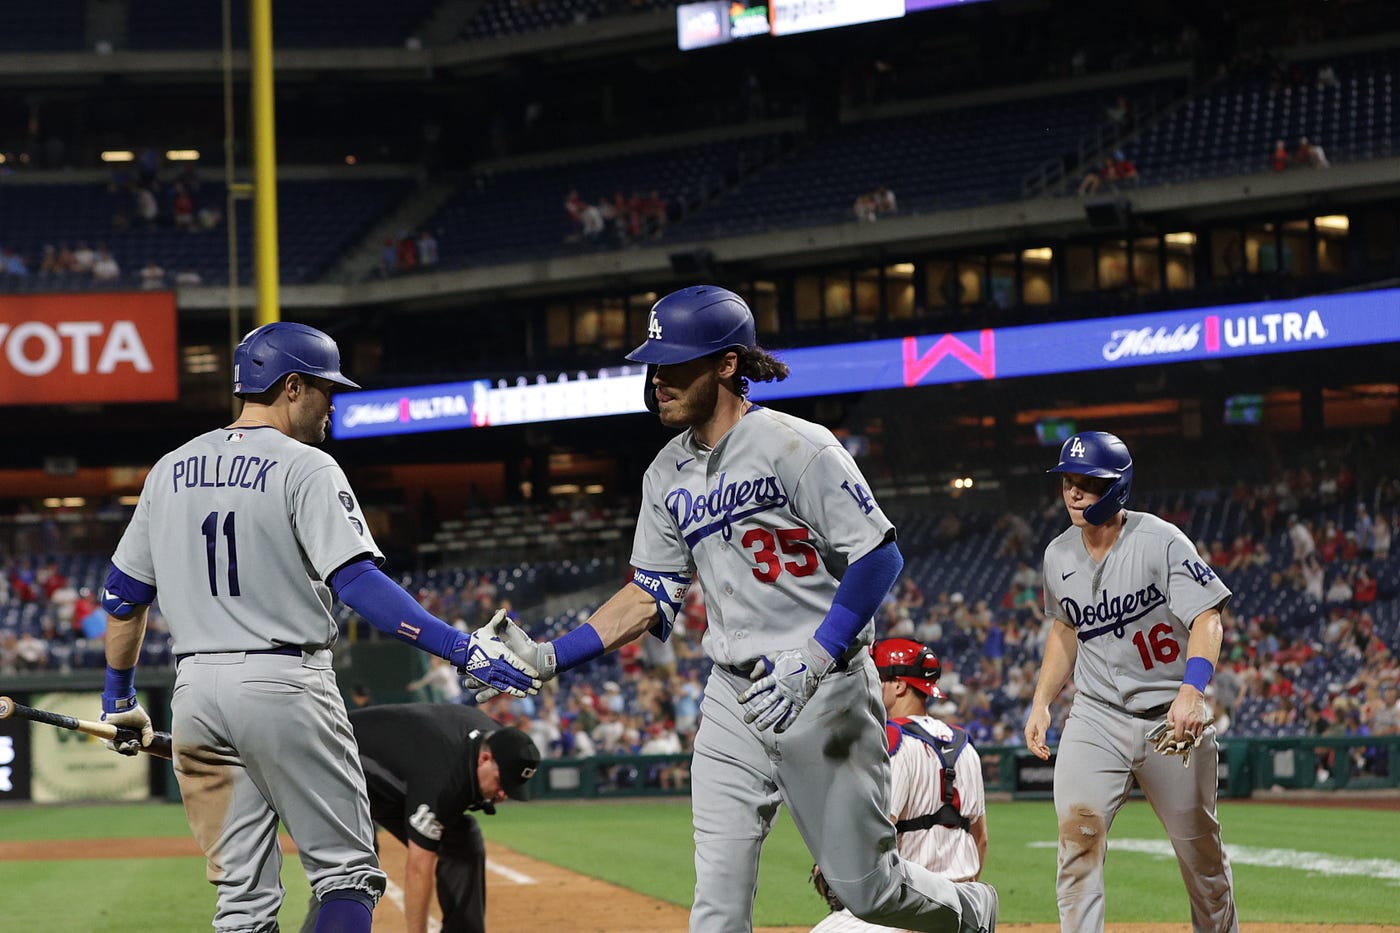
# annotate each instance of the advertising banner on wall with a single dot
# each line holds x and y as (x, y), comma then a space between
(100, 347)
(14, 758)
(793, 16)
(1323, 322)
(72, 766)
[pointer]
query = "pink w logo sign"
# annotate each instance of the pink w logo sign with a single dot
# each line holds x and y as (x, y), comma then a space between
(983, 361)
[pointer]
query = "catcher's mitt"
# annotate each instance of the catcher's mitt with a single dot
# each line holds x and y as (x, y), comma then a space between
(1162, 738)
(818, 882)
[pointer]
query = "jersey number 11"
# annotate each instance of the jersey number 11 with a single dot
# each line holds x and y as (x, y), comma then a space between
(211, 541)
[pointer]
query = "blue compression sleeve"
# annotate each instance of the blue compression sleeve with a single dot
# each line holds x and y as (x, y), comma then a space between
(365, 588)
(862, 589)
(574, 648)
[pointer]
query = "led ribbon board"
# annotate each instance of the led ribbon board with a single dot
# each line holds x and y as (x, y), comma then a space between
(1318, 323)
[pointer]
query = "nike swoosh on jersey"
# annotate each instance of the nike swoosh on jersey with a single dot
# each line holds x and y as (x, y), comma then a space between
(680, 464)
(1066, 576)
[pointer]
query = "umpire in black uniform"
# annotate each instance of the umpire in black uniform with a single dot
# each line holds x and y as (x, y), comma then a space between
(426, 765)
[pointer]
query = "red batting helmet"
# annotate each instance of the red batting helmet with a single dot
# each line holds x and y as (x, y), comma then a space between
(907, 660)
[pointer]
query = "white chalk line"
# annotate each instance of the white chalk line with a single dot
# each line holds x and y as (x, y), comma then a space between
(510, 874)
(395, 895)
(1321, 863)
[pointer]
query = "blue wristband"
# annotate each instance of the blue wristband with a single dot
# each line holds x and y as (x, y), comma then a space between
(574, 648)
(1199, 671)
(120, 685)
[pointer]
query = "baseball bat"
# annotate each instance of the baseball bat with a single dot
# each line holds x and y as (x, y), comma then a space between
(160, 742)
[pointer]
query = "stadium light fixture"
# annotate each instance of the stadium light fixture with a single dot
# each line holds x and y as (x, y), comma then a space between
(1338, 222)
(118, 155)
(1181, 239)
(182, 155)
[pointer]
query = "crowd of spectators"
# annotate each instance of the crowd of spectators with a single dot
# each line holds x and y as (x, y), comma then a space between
(1306, 155)
(870, 205)
(1116, 171)
(408, 252)
(1310, 649)
(63, 264)
(616, 221)
(141, 195)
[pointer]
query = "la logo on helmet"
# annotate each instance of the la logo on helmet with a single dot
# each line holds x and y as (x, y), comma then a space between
(1076, 449)
(653, 327)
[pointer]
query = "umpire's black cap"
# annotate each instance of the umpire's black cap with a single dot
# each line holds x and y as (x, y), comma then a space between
(518, 759)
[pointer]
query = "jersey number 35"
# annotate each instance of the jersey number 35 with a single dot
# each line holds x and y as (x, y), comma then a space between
(791, 541)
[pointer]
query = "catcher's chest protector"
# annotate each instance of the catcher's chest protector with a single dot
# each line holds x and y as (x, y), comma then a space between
(947, 752)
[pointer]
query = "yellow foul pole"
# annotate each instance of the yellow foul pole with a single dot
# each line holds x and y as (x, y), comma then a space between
(264, 161)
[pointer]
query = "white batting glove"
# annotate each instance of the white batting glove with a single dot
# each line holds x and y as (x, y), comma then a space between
(783, 685)
(131, 718)
(537, 656)
(1162, 738)
(485, 662)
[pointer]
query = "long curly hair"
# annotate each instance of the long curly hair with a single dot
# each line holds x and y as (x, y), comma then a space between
(757, 364)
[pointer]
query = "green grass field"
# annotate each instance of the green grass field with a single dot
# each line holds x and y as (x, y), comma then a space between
(1292, 864)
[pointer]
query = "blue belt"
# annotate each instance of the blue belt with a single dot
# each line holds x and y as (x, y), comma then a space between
(288, 650)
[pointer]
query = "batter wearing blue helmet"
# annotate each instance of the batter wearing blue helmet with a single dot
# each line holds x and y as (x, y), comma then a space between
(775, 517)
(1137, 625)
(245, 532)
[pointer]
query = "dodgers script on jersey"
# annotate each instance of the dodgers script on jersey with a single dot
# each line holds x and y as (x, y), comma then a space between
(1132, 613)
(771, 518)
(223, 517)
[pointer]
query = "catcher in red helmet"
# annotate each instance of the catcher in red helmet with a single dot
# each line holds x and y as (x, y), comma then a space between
(937, 800)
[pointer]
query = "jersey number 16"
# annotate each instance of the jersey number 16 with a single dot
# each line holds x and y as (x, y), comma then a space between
(1158, 644)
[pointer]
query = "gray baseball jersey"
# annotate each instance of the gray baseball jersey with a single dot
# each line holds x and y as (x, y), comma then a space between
(1132, 615)
(238, 530)
(219, 523)
(771, 518)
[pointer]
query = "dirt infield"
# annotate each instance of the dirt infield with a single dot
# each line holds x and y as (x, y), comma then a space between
(521, 889)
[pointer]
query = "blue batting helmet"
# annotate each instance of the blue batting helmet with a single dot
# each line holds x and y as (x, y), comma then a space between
(1103, 455)
(273, 351)
(695, 322)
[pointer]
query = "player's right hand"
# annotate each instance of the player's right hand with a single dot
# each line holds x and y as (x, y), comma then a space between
(126, 713)
(1037, 727)
(484, 660)
(539, 655)
(783, 684)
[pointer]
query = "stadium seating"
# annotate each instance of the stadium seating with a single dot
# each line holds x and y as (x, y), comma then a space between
(55, 25)
(179, 24)
(512, 216)
(1230, 128)
(498, 18)
(319, 220)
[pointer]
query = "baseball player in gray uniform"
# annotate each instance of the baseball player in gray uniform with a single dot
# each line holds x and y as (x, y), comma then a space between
(1137, 618)
(796, 555)
(244, 532)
